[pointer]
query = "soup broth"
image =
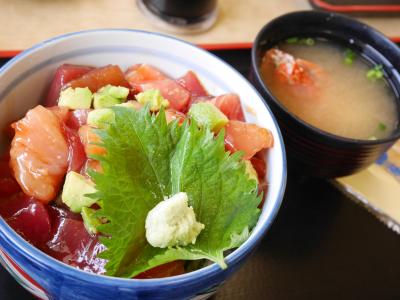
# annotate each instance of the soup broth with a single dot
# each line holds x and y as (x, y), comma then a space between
(331, 88)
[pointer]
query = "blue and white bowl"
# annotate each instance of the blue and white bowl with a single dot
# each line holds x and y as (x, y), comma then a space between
(23, 82)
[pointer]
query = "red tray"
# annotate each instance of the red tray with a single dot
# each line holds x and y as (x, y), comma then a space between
(359, 7)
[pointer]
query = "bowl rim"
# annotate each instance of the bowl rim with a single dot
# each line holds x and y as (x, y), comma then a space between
(330, 137)
(42, 258)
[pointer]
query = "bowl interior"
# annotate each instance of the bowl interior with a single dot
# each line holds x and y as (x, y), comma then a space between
(372, 45)
(25, 79)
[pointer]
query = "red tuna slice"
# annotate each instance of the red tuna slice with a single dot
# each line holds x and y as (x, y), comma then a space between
(27, 216)
(77, 156)
(77, 118)
(64, 74)
(97, 78)
(259, 165)
(246, 137)
(61, 211)
(176, 94)
(72, 121)
(191, 82)
(8, 185)
(230, 105)
(172, 268)
(141, 73)
(73, 245)
(172, 114)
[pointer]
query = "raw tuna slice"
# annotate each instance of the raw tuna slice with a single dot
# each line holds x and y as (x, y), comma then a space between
(176, 94)
(27, 216)
(97, 78)
(246, 137)
(64, 74)
(73, 245)
(230, 105)
(190, 82)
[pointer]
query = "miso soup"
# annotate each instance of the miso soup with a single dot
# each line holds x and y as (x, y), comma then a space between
(331, 87)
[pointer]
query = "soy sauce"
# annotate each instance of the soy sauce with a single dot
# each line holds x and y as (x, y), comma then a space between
(181, 11)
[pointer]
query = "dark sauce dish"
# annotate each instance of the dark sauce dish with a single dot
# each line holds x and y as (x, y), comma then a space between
(312, 151)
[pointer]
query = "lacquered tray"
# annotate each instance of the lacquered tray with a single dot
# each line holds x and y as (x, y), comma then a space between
(322, 245)
(359, 7)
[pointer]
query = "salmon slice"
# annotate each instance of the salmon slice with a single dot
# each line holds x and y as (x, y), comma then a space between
(90, 140)
(39, 154)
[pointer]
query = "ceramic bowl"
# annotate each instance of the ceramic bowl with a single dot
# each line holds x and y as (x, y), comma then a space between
(313, 151)
(23, 82)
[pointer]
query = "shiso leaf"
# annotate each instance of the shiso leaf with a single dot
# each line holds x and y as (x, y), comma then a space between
(146, 160)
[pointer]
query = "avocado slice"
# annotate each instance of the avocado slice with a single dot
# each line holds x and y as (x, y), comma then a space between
(76, 98)
(250, 171)
(75, 190)
(89, 220)
(207, 114)
(132, 104)
(100, 118)
(110, 95)
(118, 92)
(153, 98)
(103, 101)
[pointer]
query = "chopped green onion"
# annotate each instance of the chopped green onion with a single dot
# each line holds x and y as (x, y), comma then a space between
(292, 40)
(375, 73)
(304, 41)
(349, 56)
(309, 41)
(381, 126)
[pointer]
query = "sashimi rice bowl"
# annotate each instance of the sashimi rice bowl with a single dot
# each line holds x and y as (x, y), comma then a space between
(132, 165)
